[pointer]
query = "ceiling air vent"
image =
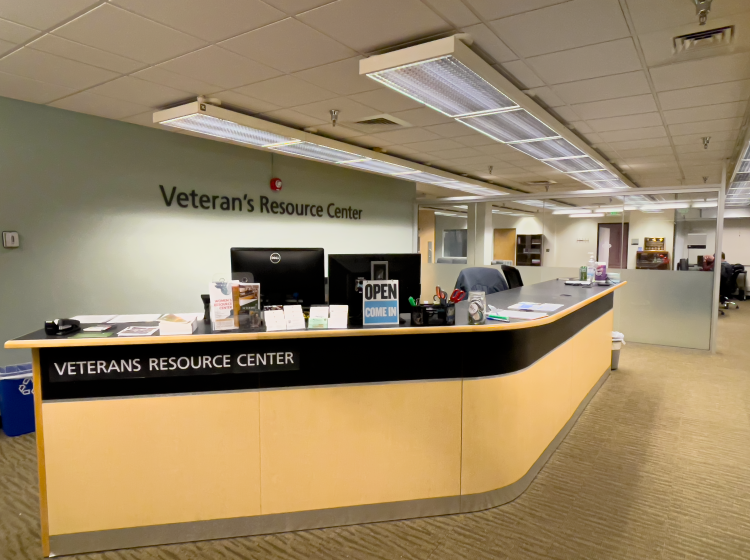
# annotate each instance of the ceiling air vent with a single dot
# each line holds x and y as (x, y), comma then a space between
(378, 120)
(703, 40)
(378, 123)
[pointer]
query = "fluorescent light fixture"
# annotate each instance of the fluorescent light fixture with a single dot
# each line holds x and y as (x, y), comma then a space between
(541, 204)
(315, 151)
(453, 214)
(431, 179)
(567, 165)
(706, 204)
(586, 176)
(517, 125)
(449, 77)
(378, 166)
(741, 177)
(593, 215)
(573, 211)
(607, 185)
(743, 167)
(468, 187)
(664, 206)
(445, 84)
(228, 130)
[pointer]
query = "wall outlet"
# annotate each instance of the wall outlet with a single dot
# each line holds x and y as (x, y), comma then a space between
(10, 239)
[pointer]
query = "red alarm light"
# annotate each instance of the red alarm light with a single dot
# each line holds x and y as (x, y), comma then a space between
(276, 184)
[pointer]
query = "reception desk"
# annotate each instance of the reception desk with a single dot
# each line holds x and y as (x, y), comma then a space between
(165, 439)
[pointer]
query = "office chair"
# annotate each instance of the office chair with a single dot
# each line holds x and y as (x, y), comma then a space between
(682, 264)
(512, 276)
(479, 279)
(728, 284)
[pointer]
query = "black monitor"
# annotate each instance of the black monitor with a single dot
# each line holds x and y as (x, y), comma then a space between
(286, 276)
(345, 273)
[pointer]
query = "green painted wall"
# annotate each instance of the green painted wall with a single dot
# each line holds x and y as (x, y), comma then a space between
(97, 237)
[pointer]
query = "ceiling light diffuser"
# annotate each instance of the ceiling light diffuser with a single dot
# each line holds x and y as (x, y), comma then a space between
(516, 125)
(706, 204)
(383, 167)
(593, 215)
(567, 165)
(546, 149)
(573, 211)
(446, 85)
(228, 130)
(315, 151)
(607, 185)
(586, 176)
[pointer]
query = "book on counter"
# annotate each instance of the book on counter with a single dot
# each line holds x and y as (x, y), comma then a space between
(178, 323)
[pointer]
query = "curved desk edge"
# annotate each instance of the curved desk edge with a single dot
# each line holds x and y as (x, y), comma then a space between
(80, 543)
(280, 335)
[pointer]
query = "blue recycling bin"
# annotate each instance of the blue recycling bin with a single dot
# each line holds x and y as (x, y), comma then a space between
(17, 399)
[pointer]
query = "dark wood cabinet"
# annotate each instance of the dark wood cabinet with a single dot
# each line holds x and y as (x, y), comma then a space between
(529, 250)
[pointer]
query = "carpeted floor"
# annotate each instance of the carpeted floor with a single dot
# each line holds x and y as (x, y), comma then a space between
(658, 466)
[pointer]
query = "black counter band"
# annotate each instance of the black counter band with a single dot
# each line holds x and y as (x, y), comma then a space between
(305, 362)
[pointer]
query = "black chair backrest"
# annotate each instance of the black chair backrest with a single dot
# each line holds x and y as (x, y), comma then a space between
(512, 276)
(479, 279)
(726, 279)
(682, 264)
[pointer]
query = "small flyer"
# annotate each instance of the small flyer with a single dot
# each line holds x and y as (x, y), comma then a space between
(318, 318)
(338, 317)
(249, 305)
(294, 317)
(273, 315)
(380, 302)
(222, 305)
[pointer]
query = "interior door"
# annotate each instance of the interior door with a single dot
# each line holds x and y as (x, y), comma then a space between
(504, 245)
(617, 252)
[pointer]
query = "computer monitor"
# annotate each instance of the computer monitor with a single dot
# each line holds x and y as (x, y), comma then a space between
(286, 276)
(346, 272)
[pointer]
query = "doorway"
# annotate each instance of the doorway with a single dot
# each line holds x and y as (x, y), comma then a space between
(504, 245)
(612, 246)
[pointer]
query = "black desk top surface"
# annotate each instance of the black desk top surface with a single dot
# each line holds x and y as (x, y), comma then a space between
(552, 291)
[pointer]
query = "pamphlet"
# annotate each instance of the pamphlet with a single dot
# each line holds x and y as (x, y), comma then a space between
(92, 335)
(273, 315)
(317, 323)
(178, 323)
(222, 305)
(523, 305)
(518, 314)
(339, 316)
(249, 295)
(141, 318)
(294, 317)
(138, 331)
(546, 307)
(99, 328)
(93, 318)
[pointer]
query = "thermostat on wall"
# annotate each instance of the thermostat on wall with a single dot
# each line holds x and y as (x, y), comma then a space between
(10, 239)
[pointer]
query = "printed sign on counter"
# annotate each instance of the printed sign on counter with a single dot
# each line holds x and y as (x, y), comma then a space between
(380, 301)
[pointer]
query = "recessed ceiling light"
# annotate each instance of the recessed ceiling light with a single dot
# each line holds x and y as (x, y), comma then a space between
(593, 215)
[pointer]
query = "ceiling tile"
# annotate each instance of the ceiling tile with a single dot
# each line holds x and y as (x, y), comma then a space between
(288, 45)
(698, 147)
(641, 152)
(615, 57)
(408, 135)
(449, 130)
(581, 127)
(294, 7)
(454, 153)
(140, 92)
(563, 26)
(158, 75)
(423, 116)
(26, 89)
(719, 125)
(696, 139)
(435, 145)
(219, 66)
(6, 46)
(641, 143)
(702, 72)
(522, 73)
(386, 100)
(88, 55)
(295, 119)
(634, 134)
(337, 132)
(342, 77)
(616, 107)
(474, 140)
(486, 40)
(349, 110)
(218, 20)
(368, 141)
(233, 99)
(15, 32)
(494, 9)
(705, 113)
(565, 114)
(366, 26)
(99, 105)
(42, 14)
(454, 12)
(607, 87)
(286, 91)
(705, 95)
(546, 96)
(52, 69)
(120, 32)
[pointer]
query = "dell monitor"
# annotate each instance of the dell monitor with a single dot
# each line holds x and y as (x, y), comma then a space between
(346, 272)
(286, 276)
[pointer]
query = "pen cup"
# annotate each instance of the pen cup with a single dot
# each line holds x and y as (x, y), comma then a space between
(433, 315)
(477, 308)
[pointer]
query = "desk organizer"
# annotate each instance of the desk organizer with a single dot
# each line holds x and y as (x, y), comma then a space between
(433, 315)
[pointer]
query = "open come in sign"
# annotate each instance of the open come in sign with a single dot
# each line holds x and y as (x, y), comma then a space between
(380, 300)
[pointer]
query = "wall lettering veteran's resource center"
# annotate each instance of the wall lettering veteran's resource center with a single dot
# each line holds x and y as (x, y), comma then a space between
(192, 199)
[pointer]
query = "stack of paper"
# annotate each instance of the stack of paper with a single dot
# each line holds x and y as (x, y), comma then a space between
(529, 306)
(141, 318)
(178, 323)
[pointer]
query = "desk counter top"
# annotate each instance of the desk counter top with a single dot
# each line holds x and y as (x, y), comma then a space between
(552, 291)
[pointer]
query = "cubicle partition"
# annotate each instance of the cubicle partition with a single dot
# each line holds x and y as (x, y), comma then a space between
(658, 240)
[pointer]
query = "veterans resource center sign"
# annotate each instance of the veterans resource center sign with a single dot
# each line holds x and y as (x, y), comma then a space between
(180, 199)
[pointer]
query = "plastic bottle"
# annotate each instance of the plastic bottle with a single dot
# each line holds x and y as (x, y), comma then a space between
(591, 268)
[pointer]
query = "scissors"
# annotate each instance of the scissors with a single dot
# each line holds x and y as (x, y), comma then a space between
(440, 296)
(457, 296)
